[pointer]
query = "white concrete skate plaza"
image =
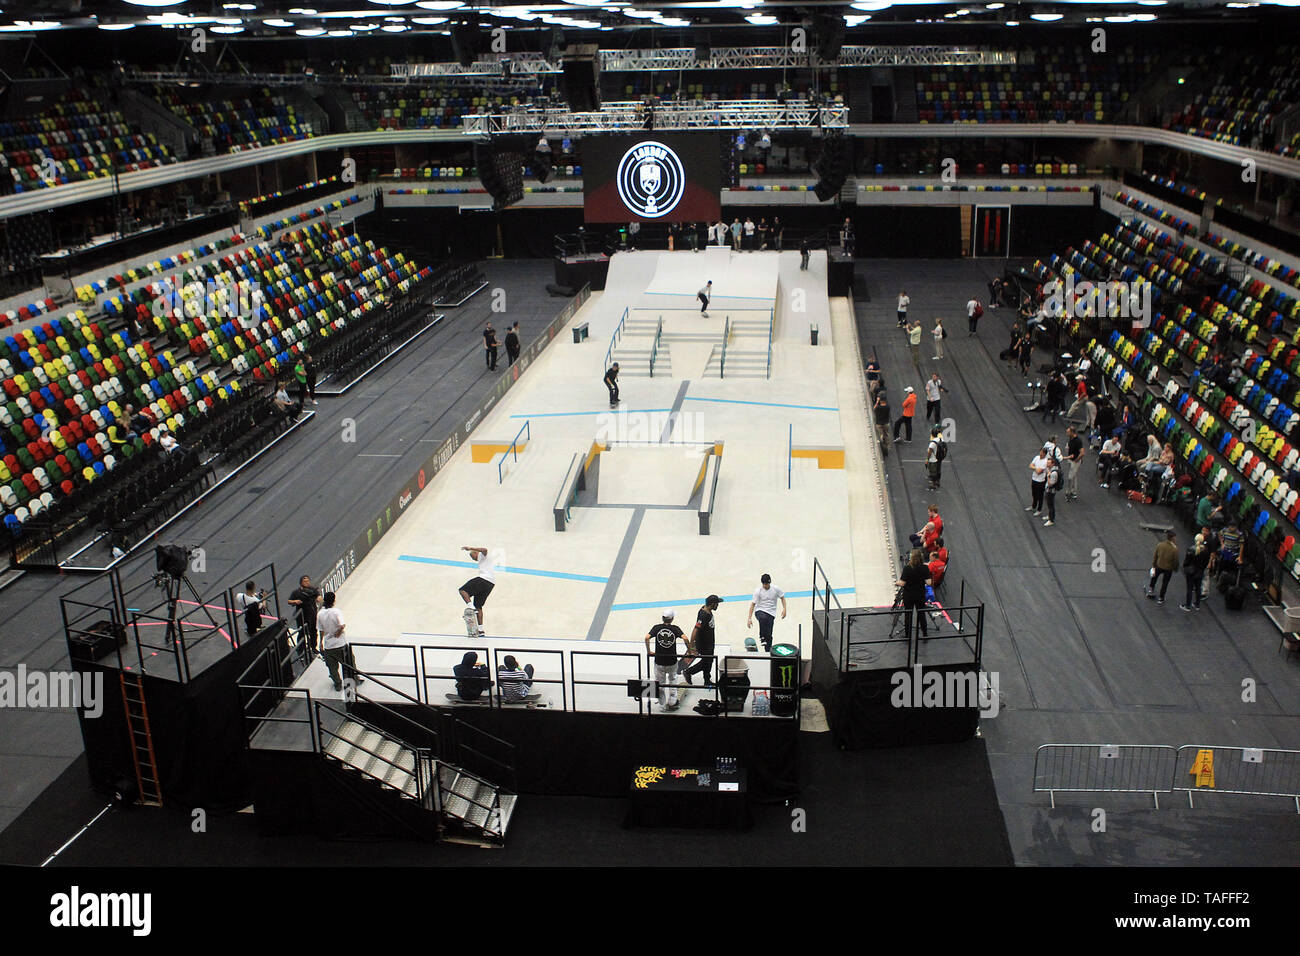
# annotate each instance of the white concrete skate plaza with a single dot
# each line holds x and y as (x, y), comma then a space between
(634, 548)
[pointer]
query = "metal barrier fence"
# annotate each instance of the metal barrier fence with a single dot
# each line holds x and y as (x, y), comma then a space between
(1253, 771)
(1157, 769)
(1104, 768)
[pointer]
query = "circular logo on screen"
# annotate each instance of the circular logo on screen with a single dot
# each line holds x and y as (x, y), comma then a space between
(651, 179)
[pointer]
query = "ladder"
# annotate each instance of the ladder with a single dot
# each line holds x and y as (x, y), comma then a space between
(141, 740)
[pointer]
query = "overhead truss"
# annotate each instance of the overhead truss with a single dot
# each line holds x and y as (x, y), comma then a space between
(633, 115)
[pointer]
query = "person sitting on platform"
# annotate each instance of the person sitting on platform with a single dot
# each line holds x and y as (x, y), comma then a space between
(937, 565)
(932, 529)
(472, 678)
(514, 682)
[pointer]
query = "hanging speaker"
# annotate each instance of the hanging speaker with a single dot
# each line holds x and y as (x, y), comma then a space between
(465, 40)
(828, 29)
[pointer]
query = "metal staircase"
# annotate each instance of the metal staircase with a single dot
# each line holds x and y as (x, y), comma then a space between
(481, 807)
(468, 808)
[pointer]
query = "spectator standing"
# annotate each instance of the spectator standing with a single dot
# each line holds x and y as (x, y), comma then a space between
(974, 312)
(490, 347)
(778, 232)
(1025, 353)
(309, 366)
(935, 453)
(939, 333)
(873, 371)
(250, 602)
(1164, 561)
(914, 341)
(762, 233)
(512, 344)
(611, 383)
(764, 607)
(1194, 561)
(882, 411)
(749, 233)
(803, 254)
(305, 600)
(1050, 487)
(934, 392)
(334, 644)
(661, 644)
(1038, 480)
(1075, 450)
(300, 378)
(905, 419)
(633, 232)
(736, 230)
(903, 302)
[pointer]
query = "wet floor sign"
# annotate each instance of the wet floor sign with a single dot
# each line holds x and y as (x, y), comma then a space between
(1203, 768)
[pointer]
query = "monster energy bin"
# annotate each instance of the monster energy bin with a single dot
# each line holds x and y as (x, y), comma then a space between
(785, 678)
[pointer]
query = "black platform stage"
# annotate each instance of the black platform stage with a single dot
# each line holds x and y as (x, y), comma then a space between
(577, 271)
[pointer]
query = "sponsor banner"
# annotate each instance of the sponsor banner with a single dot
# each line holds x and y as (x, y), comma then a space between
(418, 481)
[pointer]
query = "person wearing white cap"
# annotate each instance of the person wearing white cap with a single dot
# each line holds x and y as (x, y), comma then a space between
(665, 636)
(909, 410)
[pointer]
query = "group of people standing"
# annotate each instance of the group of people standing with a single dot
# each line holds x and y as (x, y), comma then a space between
(491, 345)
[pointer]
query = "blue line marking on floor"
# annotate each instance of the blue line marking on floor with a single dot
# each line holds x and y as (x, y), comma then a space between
(726, 599)
(610, 411)
(685, 295)
(736, 401)
(563, 575)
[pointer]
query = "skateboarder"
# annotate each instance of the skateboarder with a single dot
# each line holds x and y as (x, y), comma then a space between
(611, 383)
(475, 591)
(704, 295)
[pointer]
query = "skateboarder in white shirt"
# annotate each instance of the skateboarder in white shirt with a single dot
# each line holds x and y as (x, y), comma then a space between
(475, 591)
(705, 295)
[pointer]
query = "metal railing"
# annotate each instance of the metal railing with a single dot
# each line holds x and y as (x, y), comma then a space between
(513, 450)
(613, 340)
(771, 324)
(1104, 768)
(726, 336)
(654, 349)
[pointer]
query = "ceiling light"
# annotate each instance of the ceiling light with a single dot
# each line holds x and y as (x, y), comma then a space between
(340, 33)
(277, 23)
(311, 32)
(394, 19)
(871, 5)
(428, 21)
(1013, 23)
(587, 3)
(154, 3)
(116, 26)
(854, 20)
(228, 21)
(391, 3)
(671, 22)
(762, 19)
(440, 4)
(642, 14)
(363, 27)
(1151, 3)
(1143, 17)
(26, 26)
(227, 29)
(1046, 17)
(395, 28)
(994, 6)
(305, 11)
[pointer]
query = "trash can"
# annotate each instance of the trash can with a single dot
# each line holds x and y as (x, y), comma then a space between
(734, 684)
(813, 331)
(784, 679)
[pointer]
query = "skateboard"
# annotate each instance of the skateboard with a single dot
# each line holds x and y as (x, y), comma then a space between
(456, 698)
(471, 621)
(523, 700)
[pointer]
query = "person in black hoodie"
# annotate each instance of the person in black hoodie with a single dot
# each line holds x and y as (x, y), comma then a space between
(472, 678)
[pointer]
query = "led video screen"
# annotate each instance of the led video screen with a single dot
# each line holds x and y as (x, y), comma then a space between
(652, 177)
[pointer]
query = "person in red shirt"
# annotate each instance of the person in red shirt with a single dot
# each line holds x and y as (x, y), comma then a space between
(925, 538)
(909, 409)
(937, 568)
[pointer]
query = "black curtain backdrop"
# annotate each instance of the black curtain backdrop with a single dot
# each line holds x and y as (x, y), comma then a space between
(1039, 230)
